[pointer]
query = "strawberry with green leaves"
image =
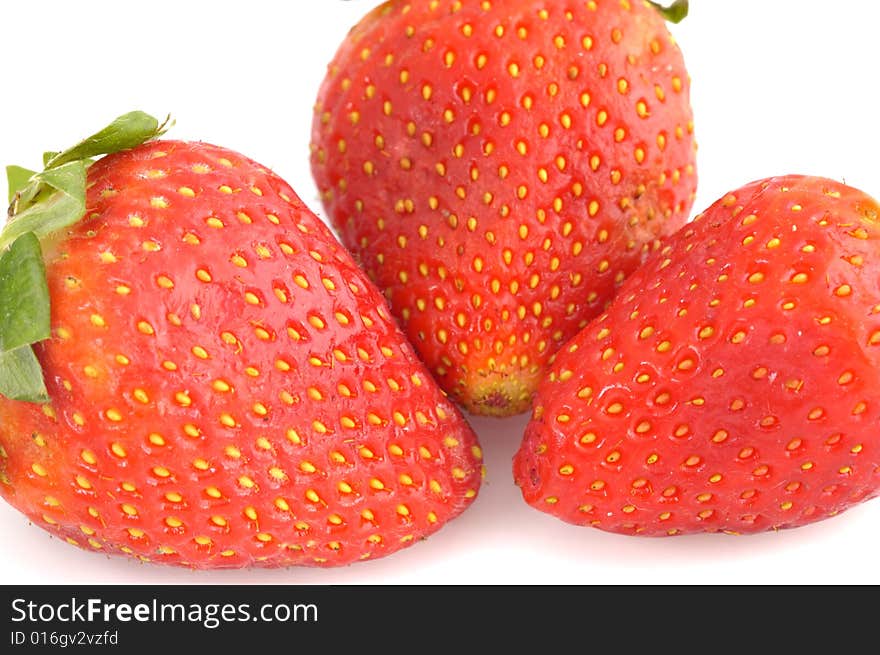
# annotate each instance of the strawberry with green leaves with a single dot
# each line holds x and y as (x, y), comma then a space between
(500, 167)
(196, 373)
(733, 384)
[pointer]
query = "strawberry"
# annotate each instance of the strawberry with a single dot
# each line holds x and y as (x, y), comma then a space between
(734, 383)
(223, 386)
(499, 168)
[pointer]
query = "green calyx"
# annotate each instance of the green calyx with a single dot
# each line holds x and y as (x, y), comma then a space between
(674, 13)
(42, 203)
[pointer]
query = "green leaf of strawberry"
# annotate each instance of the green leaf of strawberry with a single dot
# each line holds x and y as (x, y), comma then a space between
(675, 12)
(21, 377)
(24, 294)
(126, 131)
(17, 178)
(52, 200)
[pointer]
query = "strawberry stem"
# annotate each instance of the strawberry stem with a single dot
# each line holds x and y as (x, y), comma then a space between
(674, 13)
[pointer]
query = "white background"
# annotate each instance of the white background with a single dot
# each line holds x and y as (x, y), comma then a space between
(779, 86)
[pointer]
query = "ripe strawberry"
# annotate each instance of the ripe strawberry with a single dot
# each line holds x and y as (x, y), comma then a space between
(225, 387)
(499, 168)
(733, 384)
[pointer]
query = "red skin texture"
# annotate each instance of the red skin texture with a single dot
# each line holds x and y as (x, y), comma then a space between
(500, 188)
(250, 477)
(745, 398)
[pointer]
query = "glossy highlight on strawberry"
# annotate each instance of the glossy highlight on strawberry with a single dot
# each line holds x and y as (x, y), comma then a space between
(734, 383)
(226, 387)
(499, 168)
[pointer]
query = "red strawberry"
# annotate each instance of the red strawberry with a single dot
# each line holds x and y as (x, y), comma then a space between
(226, 388)
(499, 168)
(733, 384)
